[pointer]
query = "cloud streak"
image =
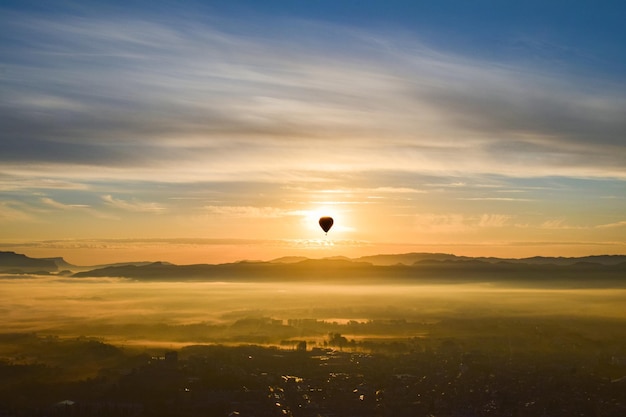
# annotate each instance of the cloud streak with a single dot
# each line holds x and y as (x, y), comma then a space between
(133, 205)
(61, 206)
(240, 126)
(122, 92)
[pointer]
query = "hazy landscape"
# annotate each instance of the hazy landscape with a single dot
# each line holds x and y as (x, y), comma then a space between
(252, 302)
(85, 324)
(312, 208)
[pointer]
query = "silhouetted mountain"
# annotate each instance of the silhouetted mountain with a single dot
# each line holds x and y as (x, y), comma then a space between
(11, 262)
(131, 263)
(16, 263)
(61, 263)
(339, 258)
(448, 269)
(307, 270)
(406, 258)
(332, 262)
(413, 267)
(288, 259)
(412, 258)
(596, 259)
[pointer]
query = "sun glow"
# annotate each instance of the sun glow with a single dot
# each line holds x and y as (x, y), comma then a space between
(335, 210)
(312, 216)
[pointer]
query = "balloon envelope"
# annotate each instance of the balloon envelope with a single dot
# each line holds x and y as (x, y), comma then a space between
(326, 223)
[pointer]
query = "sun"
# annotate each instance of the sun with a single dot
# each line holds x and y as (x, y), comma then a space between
(334, 210)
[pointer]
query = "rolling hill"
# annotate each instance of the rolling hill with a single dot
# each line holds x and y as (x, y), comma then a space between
(589, 271)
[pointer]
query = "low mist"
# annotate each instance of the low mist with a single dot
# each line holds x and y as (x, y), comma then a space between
(132, 312)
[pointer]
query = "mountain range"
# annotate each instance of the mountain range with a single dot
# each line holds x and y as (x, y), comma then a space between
(423, 267)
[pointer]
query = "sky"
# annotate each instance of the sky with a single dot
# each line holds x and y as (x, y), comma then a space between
(216, 131)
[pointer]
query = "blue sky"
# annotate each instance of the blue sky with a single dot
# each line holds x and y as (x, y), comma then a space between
(469, 127)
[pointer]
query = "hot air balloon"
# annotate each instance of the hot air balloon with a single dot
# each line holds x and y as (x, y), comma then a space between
(326, 223)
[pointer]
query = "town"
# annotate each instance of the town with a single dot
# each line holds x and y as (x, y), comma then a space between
(554, 372)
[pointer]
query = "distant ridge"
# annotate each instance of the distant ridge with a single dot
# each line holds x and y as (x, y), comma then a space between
(11, 262)
(596, 259)
(16, 263)
(412, 258)
(289, 259)
(589, 271)
(60, 263)
(444, 270)
(407, 258)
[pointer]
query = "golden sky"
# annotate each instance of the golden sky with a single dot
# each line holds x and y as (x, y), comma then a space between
(212, 135)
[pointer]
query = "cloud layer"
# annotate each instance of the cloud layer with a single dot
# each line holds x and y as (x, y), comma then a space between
(118, 125)
(132, 94)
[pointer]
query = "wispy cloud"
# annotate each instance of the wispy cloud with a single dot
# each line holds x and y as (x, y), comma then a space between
(22, 181)
(612, 225)
(13, 211)
(494, 220)
(562, 224)
(493, 199)
(133, 205)
(61, 206)
(459, 223)
(253, 102)
(442, 223)
(247, 211)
